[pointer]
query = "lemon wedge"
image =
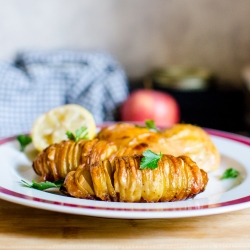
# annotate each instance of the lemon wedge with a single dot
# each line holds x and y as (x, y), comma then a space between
(51, 127)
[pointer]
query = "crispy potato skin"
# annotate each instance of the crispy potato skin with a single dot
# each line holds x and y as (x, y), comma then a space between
(175, 179)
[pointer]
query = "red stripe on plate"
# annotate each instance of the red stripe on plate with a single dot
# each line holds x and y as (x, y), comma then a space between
(36, 199)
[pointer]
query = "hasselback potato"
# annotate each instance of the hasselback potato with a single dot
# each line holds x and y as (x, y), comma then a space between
(175, 178)
(57, 160)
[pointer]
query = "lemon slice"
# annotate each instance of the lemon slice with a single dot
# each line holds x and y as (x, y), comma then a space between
(51, 127)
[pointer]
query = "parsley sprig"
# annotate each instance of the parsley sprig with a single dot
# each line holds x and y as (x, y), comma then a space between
(230, 173)
(24, 141)
(150, 124)
(43, 185)
(150, 159)
(80, 134)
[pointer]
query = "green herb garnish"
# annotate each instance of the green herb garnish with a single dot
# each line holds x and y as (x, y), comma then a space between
(80, 134)
(24, 141)
(43, 185)
(150, 124)
(230, 173)
(150, 159)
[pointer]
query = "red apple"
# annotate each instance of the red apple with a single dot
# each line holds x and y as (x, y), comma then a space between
(154, 105)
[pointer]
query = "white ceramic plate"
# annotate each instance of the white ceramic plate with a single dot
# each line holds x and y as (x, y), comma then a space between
(221, 196)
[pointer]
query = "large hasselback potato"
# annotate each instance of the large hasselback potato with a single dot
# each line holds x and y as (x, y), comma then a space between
(175, 178)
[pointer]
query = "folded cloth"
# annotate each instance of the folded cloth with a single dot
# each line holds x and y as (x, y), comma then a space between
(38, 81)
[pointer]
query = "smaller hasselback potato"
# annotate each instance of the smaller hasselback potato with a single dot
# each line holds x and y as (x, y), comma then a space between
(57, 160)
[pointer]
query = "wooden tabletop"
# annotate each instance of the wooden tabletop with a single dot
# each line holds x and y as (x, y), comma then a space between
(29, 228)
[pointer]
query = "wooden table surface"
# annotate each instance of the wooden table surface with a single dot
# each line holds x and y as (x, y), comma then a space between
(23, 227)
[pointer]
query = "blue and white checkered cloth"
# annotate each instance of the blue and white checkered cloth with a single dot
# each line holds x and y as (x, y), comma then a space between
(38, 81)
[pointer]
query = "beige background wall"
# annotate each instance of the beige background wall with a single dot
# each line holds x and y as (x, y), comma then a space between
(141, 34)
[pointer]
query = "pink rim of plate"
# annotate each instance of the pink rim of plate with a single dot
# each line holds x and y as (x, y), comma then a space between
(227, 135)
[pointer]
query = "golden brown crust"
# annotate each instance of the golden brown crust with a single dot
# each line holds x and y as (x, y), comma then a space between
(127, 135)
(175, 178)
(193, 141)
(181, 139)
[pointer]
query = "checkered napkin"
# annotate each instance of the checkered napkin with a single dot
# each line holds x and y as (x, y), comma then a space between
(38, 81)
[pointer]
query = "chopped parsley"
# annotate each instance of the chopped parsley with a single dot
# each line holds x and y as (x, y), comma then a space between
(24, 141)
(150, 159)
(150, 124)
(43, 185)
(80, 134)
(230, 173)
